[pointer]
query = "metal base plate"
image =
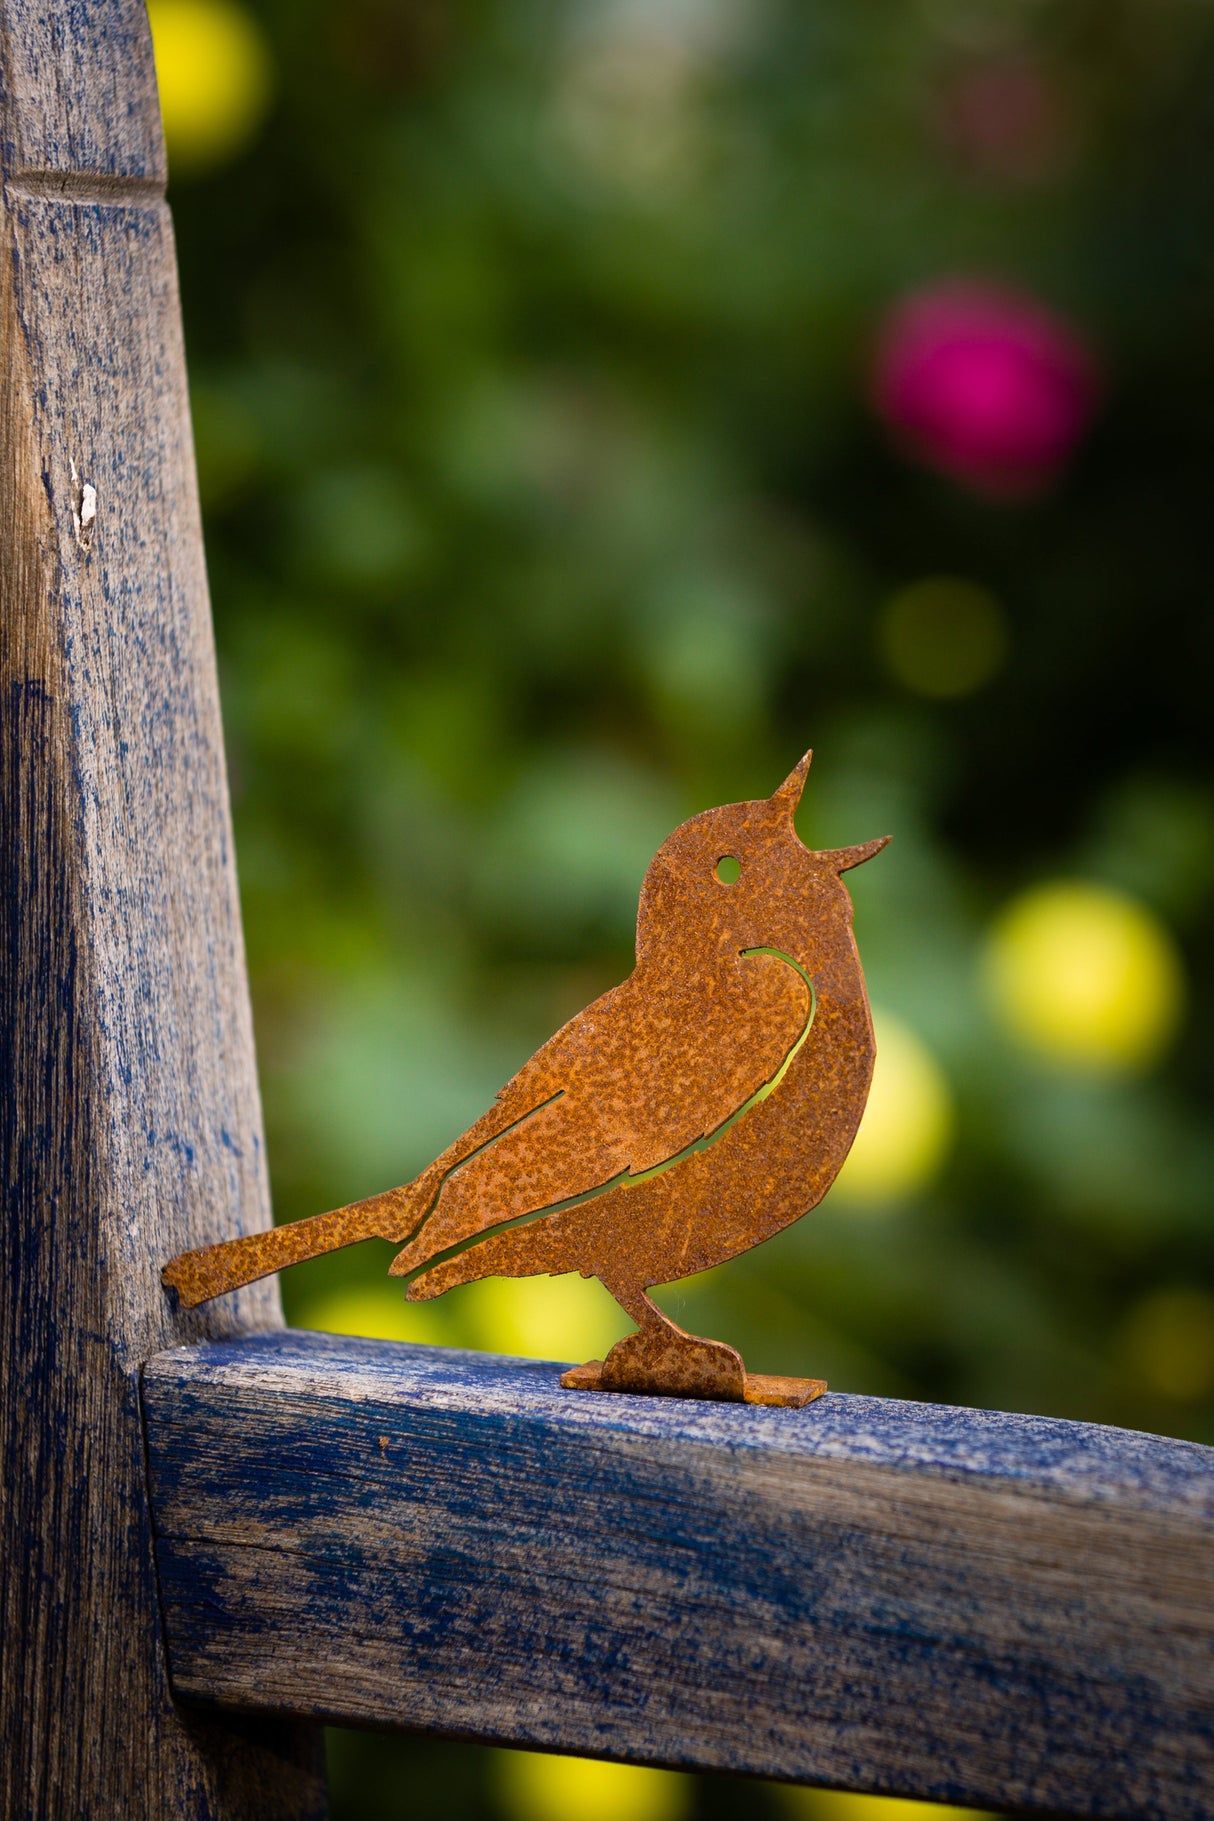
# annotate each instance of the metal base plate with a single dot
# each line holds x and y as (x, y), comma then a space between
(760, 1387)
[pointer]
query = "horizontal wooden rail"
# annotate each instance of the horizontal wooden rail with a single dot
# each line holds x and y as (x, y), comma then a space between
(991, 1610)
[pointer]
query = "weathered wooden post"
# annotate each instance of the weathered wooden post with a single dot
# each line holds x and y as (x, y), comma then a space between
(130, 1107)
(973, 1607)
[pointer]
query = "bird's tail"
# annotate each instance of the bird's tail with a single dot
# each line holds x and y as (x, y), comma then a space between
(210, 1270)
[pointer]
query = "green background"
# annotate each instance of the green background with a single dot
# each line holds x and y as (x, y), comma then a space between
(545, 505)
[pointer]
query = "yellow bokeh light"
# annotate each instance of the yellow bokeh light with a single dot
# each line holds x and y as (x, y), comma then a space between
(1170, 1343)
(213, 72)
(377, 1311)
(943, 637)
(1085, 976)
(563, 1318)
(908, 1123)
(538, 1788)
(841, 1805)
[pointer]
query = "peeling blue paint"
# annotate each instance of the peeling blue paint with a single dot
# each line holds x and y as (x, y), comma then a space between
(423, 1537)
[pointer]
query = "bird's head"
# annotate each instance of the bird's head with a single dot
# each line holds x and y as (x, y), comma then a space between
(742, 877)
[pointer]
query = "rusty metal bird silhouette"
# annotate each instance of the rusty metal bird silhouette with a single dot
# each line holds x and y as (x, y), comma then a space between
(687, 1115)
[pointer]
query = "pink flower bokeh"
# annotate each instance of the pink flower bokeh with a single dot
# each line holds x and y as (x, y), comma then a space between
(984, 383)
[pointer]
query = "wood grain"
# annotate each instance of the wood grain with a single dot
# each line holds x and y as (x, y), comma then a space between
(976, 1608)
(131, 1124)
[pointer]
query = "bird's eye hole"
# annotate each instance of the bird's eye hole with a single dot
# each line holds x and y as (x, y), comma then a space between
(728, 869)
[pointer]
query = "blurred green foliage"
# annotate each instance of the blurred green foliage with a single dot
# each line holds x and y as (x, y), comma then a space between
(546, 505)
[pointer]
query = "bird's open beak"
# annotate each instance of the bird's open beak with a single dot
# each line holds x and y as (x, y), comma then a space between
(842, 859)
(785, 799)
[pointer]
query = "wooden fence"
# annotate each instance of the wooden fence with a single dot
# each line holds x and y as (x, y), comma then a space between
(290, 1528)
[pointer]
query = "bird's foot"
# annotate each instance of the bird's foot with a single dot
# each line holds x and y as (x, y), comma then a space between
(666, 1362)
(663, 1361)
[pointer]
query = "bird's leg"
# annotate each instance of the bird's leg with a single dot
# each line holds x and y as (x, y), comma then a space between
(663, 1360)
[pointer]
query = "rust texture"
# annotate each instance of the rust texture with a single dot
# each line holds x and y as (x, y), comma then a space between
(687, 1115)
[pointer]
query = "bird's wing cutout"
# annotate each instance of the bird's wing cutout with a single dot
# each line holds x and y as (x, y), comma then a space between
(679, 1057)
(628, 1087)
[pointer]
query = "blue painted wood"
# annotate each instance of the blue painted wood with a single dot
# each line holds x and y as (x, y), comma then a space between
(129, 1118)
(962, 1605)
